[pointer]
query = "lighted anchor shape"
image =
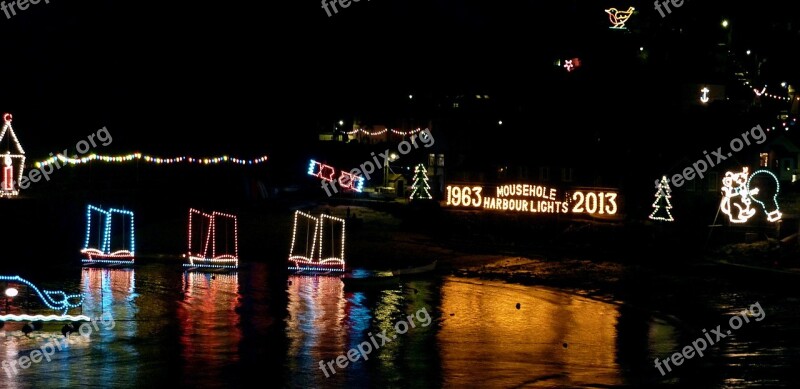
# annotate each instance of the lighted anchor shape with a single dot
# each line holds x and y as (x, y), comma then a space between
(704, 98)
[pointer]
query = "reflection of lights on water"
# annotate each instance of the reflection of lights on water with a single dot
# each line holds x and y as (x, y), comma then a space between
(211, 306)
(317, 309)
(103, 289)
(486, 323)
(213, 285)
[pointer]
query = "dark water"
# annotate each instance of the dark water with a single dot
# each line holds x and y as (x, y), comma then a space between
(172, 328)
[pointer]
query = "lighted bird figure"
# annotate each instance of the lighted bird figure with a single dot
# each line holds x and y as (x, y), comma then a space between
(618, 18)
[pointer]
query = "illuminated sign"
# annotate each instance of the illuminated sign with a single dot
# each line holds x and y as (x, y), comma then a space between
(346, 180)
(529, 198)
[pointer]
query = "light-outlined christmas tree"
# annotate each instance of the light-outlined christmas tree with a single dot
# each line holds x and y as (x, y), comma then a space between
(662, 205)
(420, 186)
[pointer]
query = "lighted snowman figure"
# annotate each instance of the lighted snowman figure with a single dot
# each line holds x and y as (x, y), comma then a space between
(768, 198)
(8, 173)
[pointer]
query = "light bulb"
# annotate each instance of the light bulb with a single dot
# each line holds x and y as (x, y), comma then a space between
(765, 193)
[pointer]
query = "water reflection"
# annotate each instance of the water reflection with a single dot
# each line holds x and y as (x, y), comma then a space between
(111, 291)
(210, 326)
(325, 322)
(201, 329)
(554, 338)
(99, 358)
(477, 337)
(315, 326)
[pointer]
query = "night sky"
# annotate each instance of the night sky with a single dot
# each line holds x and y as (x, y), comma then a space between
(161, 76)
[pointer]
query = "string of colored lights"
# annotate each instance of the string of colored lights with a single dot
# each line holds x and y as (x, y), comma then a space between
(47, 295)
(385, 130)
(146, 158)
(763, 92)
(214, 260)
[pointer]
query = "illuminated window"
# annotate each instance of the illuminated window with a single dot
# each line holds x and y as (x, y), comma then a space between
(431, 160)
(763, 159)
(440, 160)
(566, 174)
(544, 174)
(713, 182)
(455, 105)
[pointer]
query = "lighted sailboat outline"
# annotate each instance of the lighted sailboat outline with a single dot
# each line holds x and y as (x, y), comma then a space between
(103, 254)
(202, 258)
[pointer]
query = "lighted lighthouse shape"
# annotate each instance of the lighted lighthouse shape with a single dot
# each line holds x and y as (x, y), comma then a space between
(13, 161)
